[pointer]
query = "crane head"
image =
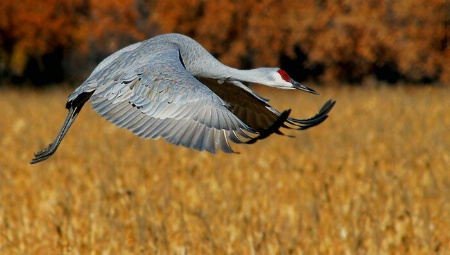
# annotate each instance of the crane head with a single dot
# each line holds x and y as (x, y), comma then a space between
(285, 81)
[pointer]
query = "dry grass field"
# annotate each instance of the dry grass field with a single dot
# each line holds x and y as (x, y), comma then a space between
(372, 179)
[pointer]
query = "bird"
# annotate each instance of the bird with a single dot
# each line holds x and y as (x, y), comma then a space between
(170, 86)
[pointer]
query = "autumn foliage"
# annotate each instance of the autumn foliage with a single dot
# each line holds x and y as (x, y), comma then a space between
(329, 40)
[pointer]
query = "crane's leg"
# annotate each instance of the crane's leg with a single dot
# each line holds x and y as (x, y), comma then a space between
(47, 152)
(74, 108)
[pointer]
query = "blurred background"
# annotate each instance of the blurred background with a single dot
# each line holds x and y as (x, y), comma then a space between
(325, 41)
(372, 179)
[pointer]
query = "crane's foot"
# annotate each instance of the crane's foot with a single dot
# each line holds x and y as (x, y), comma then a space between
(43, 154)
(43, 151)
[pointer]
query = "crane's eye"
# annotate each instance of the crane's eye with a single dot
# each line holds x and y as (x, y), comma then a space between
(284, 75)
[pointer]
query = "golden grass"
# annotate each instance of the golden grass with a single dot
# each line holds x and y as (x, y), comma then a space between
(372, 179)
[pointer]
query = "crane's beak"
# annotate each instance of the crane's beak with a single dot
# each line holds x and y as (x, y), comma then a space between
(299, 86)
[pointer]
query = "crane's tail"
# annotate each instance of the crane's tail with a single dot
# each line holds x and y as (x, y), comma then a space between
(74, 108)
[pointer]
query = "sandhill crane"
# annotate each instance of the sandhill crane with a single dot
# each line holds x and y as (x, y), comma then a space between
(170, 86)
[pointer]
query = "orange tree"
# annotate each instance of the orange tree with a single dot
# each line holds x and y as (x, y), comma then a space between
(31, 30)
(349, 39)
(335, 40)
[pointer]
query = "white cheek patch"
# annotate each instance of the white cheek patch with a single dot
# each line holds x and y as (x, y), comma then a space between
(281, 83)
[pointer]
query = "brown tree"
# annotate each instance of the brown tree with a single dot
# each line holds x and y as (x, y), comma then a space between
(350, 39)
(346, 40)
(31, 29)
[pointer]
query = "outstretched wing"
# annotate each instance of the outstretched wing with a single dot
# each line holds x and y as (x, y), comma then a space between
(160, 98)
(255, 111)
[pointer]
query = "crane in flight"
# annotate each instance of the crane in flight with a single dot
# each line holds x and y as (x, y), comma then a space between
(170, 86)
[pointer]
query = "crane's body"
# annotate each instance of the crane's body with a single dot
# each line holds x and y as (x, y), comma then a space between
(169, 86)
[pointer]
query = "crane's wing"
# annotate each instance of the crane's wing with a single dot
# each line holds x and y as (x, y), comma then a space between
(255, 111)
(160, 98)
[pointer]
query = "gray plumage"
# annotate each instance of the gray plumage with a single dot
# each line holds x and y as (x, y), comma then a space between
(169, 86)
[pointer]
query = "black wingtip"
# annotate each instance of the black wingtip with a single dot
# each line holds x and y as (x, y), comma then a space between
(274, 128)
(313, 121)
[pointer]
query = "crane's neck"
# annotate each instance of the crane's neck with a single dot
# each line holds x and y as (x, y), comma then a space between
(200, 63)
(219, 71)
